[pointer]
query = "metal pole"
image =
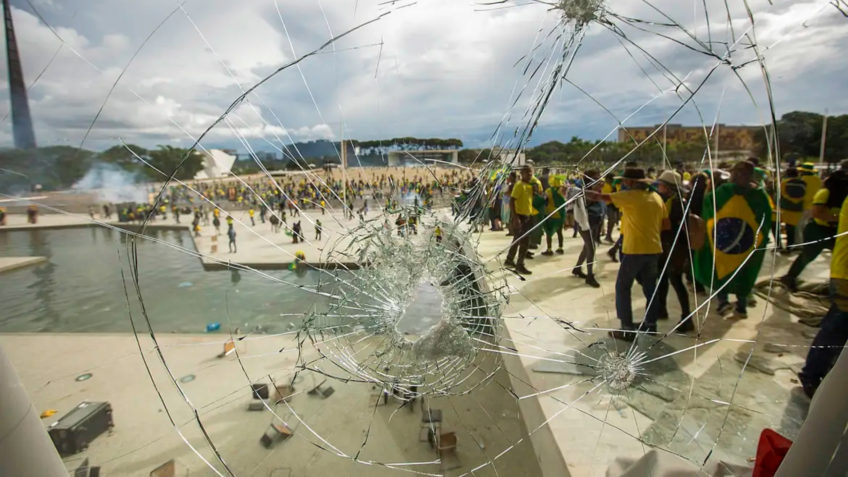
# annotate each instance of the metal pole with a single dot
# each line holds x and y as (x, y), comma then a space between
(824, 137)
(25, 448)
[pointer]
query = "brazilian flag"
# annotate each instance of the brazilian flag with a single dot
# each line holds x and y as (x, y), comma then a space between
(554, 222)
(792, 192)
(738, 227)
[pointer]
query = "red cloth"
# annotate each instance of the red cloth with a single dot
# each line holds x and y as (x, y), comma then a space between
(771, 450)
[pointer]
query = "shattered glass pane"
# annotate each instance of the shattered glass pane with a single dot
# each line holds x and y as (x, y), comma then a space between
(372, 326)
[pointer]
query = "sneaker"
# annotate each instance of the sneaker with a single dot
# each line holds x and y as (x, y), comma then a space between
(790, 283)
(560, 251)
(685, 326)
(509, 263)
(612, 254)
(522, 270)
(623, 335)
(724, 308)
(578, 272)
(529, 256)
(590, 280)
(752, 301)
(548, 253)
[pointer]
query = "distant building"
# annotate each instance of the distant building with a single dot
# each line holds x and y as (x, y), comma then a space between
(216, 163)
(730, 138)
(426, 157)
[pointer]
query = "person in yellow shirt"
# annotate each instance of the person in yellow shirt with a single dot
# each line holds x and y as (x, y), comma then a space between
(833, 333)
(819, 232)
(813, 181)
(643, 217)
(250, 213)
(522, 213)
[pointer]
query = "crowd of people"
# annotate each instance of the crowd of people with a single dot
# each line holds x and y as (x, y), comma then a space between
(710, 228)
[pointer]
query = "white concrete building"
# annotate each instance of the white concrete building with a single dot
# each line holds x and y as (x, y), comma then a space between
(216, 163)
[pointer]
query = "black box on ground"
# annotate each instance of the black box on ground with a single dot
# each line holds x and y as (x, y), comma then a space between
(260, 390)
(76, 429)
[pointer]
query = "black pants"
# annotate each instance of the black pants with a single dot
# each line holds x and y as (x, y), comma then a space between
(819, 238)
(675, 276)
(790, 235)
(827, 344)
(588, 252)
(520, 239)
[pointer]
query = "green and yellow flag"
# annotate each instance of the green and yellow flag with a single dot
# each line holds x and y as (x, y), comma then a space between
(736, 229)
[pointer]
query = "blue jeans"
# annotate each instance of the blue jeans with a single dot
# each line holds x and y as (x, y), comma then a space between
(644, 269)
(827, 344)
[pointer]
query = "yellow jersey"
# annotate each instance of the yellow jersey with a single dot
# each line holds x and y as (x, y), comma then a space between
(839, 260)
(642, 216)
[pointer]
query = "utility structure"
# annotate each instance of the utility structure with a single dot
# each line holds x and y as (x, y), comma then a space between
(21, 120)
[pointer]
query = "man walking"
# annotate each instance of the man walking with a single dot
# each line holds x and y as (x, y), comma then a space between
(738, 221)
(231, 234)
(833, 333)
(643, 217)
(675, 251)
(819, 232)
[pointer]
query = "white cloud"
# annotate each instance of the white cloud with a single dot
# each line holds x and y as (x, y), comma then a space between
(445, 69)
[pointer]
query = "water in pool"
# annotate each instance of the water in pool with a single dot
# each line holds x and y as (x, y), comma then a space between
(79, 288)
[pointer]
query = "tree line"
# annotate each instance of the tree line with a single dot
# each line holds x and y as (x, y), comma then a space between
(60, 167)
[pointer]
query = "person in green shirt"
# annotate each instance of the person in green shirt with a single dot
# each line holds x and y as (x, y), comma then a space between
(554, 215)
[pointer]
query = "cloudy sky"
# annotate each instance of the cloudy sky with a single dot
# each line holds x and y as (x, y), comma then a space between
(437, 68)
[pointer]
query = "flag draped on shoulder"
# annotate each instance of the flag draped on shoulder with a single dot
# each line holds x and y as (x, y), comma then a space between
(737, 225)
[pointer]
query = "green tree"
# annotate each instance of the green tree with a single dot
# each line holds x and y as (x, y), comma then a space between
(187, 163)
(123, 157)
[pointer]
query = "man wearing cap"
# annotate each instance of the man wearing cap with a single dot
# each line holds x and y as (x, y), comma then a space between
(522, 213)
(738, 220)
(643, 217)
(672, 264)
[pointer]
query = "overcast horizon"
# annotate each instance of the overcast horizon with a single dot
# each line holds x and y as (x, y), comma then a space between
(438, 68)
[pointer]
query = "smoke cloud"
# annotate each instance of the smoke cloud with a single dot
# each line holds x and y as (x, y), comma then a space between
(111, 184)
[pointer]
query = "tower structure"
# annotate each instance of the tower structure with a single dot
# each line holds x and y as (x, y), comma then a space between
(21, 120)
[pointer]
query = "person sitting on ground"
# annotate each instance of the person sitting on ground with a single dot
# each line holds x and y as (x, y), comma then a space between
(738, 219)
(643, 217)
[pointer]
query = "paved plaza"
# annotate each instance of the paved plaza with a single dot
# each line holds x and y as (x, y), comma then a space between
(575, 430)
